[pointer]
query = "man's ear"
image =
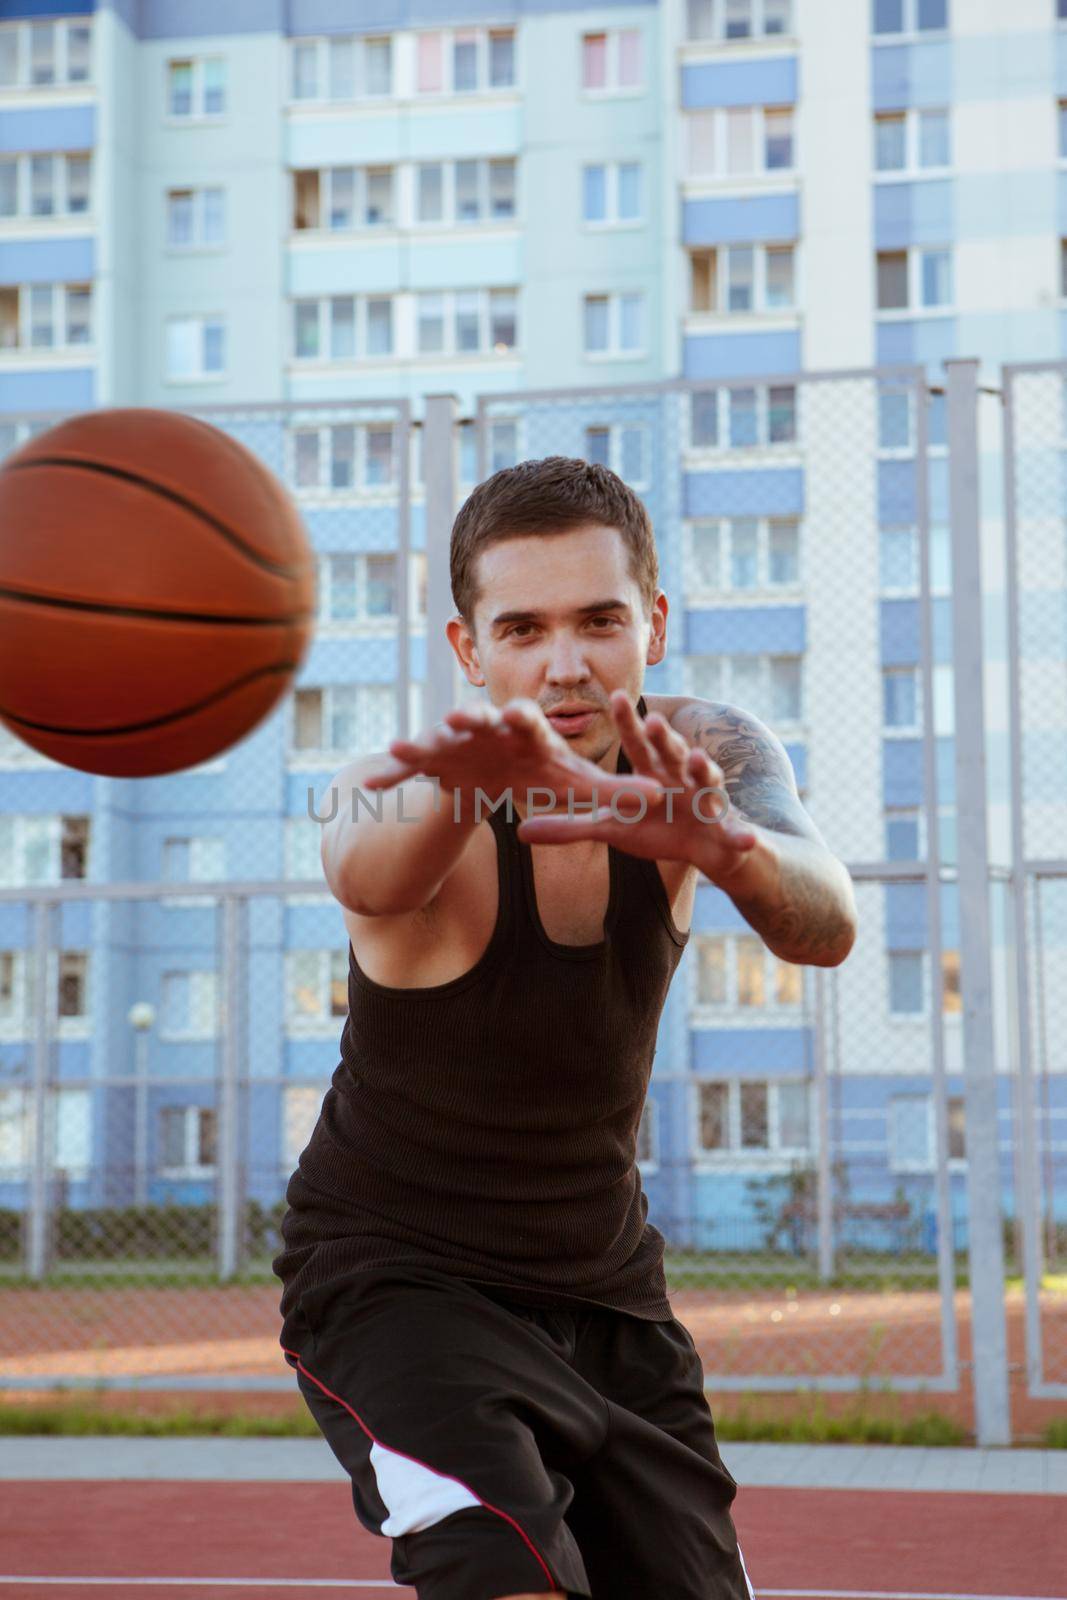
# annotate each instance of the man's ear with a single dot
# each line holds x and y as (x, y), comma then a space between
(657, 643)
(461, 638)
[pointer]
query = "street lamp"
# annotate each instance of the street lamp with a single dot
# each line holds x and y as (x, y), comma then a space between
(140, 1017)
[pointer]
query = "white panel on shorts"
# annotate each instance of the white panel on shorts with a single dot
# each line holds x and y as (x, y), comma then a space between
(748, 1580)
(416, 1497)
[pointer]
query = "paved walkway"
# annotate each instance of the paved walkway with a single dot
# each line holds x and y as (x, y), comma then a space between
(797, 1466)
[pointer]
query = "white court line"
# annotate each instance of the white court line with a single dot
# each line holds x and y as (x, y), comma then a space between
(375, 1583)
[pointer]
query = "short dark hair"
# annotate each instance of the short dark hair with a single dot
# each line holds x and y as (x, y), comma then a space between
(549, 496)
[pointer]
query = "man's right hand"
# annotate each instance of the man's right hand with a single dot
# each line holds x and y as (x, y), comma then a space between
(499, 749)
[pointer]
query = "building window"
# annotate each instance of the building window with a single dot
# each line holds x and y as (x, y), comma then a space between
(344, 456)
(301, 1104)
(742, 279)
(900, 700)
(906, 982)
(316, 990)
(769, 685)
(42, 849)
(908, 16)
(465, 60)
(915, 279)
(622, 446)
(192, 860)
(302, 845)
(195, 348)
(343, 327)
(743, 418)
(344, 198)
(41, 55)
(196, 87)
(187, 1141)
(56, 184)
(911, 1136)
(464, 192)
(68, 1133)
(358, 588)
(342, 67)
(612, 60)
(738, 970)
(67, 984)
(734, 554)
(648, 1136)
(613, 324)
(343, 719)
(502, 441)
(740, 141)
(46, 316)
(195, 218)
(912, 141)
(770, 1116)
(188, 1007)
(1063, 267)
(611, 193)
(728, 20)
(467, 322)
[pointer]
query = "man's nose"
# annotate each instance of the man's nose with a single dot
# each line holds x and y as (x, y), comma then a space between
(566, 661)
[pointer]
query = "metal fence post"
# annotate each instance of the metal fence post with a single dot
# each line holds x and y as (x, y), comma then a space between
(439, 480)
(824, 1194)
(985, 1238)
(38, 1221)
(227, 1152)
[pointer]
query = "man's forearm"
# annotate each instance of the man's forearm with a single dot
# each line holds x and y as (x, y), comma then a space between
(798, 898)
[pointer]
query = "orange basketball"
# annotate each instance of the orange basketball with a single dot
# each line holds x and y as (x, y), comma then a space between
(157, 592)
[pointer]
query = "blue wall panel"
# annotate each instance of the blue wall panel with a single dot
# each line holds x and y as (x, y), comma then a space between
(926, 340)
(915, 213)
(768, 81)
(741, 355)
(47, 261)
(745, 630)
(57, 128)
(758, 492)
(742, 219)
(911, 75)
(60, 389)
(163, 19)
(751, 1052)
(13, 10)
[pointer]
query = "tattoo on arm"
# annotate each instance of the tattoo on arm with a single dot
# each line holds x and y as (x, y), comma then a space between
(814, 923)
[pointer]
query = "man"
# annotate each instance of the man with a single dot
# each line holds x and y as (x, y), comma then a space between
(474, 1300)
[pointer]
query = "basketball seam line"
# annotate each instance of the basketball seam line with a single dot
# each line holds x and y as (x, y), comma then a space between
(155, 722)
(102, 609)
(164, 494)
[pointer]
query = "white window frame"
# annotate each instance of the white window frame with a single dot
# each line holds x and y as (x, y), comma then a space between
(297, 1025)
(467, 448)
(322, 70)
(485, 350)
(199, 242)
(612, 221)
(615, 461)
(763, 441)
(759, 307)
(64, 1105)
(448, 39)
(359, 224)
(364, 623)
(200, 320)
(913, 167)
(60, 159)
(903, 730)
(316, 756)
(764, 659)
(648, 1128)
(59, 321)
(25, 831)
(360, 317)
(203, 1002)
(207, 864)
(696, 590)
(450, 217)
(361, 487)
(62, 27)
(735, 1153)
(709, 1011)
(196, 116)
(300, 836)
(612, 89)
(716, 34)
(191, 1118)
(301, 1105)
(615, 351)
(914, 307)
(720, 171)
(910, 30)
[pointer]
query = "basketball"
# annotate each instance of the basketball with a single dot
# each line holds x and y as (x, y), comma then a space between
(157, 592)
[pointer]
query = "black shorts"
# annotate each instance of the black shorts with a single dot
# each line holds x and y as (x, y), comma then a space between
(514, 1449)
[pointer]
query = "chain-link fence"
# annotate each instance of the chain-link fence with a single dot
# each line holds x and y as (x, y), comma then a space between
(173, 972)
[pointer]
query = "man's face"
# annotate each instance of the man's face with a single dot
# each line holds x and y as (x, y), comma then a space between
(559, 620)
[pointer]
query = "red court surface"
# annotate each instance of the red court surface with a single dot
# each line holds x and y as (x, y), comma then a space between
(173, 1540)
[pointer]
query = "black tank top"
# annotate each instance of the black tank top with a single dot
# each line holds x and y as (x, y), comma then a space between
(487, 1127)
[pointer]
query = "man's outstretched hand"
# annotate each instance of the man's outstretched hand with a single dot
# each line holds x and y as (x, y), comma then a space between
(511, 749)
(698, 826)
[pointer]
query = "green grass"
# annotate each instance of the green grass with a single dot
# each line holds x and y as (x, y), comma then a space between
(1055, 1435)
(815, 1425)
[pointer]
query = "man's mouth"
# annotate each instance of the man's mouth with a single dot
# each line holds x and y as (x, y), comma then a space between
(571, 722)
